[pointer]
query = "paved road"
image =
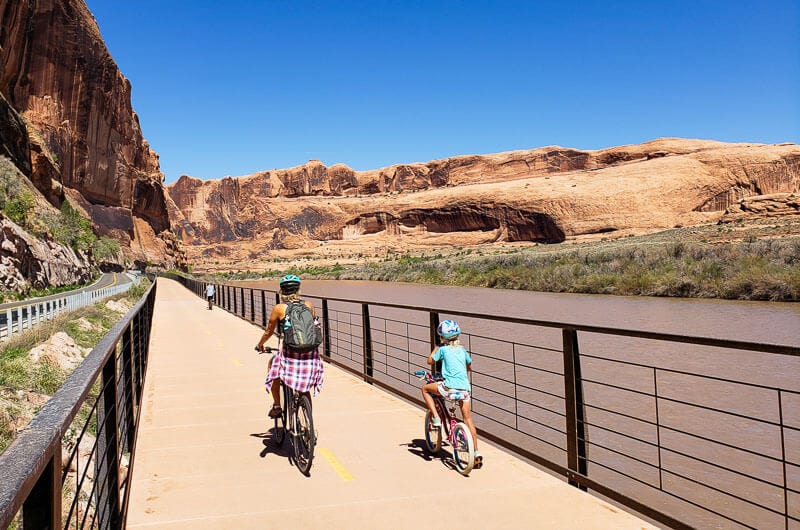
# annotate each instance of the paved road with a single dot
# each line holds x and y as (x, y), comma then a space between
(204, 459)
(108, 279)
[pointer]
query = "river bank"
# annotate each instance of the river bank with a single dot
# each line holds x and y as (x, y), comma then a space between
(757, 260)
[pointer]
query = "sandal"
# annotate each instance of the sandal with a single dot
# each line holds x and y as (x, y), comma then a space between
(275, 412)
(478, 461)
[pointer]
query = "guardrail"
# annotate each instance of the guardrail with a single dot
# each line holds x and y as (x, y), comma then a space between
(688, 431)
(69, 467)
(25, 317)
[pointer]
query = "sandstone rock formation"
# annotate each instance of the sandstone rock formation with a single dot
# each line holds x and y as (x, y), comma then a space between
(27, 261)
(541, 195)
(763, 206)
(67, 124)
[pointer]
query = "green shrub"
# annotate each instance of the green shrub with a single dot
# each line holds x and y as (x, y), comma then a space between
(19, 208)
(71, 228)
(105, 248)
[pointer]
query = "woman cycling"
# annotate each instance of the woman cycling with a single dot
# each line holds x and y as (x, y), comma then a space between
(301, 371)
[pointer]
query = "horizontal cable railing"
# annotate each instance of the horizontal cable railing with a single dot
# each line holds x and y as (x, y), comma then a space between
(690, 431)
(70, 467)
(24, 317)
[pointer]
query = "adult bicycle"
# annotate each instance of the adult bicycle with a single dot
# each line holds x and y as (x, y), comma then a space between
(296, 421)
(458, 434)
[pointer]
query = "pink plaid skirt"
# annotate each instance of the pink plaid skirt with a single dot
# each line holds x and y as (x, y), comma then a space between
(301, 372)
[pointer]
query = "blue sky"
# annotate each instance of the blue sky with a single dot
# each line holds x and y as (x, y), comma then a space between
(234, 87)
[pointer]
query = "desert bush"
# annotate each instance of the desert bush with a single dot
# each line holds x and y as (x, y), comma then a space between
(19, 207)
(105, 248)
(70, 228)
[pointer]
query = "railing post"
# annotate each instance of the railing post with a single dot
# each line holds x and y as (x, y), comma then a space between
(366, 335)
(108, 450)
(252, 306)
(573, 394)
(263, 309)
(434, 331)
(129, 376)
(42, 508)
(242, 305)
(326, 330)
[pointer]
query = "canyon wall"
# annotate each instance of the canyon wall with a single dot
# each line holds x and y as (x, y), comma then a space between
(541, 195)
(68, 126)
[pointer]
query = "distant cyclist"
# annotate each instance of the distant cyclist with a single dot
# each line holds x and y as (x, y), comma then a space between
(456, 365)
(300, 370)
(210, 291)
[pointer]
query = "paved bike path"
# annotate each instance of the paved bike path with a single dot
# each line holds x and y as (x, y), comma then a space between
(204, 459)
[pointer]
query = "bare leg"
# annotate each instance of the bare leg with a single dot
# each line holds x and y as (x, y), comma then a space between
(427, 390)
(275, 390)
(467, 413)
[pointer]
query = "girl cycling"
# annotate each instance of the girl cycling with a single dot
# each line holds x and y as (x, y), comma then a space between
(456, 365)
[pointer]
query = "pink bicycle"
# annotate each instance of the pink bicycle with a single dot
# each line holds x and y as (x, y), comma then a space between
(458, 435)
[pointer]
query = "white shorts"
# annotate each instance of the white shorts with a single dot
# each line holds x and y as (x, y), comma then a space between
(452, 394)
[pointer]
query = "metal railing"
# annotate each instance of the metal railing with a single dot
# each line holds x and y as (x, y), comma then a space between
(25, 317)
(69, 467)
(689, 431)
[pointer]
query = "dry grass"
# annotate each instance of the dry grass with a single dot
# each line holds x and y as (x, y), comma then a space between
(759, 260)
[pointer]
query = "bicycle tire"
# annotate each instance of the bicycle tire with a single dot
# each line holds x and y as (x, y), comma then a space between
(463, 449)
(433, 435)
(304, 438)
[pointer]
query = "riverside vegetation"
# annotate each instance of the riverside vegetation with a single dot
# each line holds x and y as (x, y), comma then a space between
(759, 260)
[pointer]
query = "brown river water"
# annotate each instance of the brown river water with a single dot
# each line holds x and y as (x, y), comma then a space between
(706, 434)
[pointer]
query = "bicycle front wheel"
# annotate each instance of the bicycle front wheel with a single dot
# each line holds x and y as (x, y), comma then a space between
(463, 449)
(304, 438)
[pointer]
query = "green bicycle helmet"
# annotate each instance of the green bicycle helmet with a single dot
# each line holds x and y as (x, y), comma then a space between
(289, 284)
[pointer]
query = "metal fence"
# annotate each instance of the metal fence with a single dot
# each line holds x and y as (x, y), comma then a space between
(689, 431)
(25, 317)
(69, 467)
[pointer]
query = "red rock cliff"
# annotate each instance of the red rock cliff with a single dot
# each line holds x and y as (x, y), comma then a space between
(543, 195)
(84, 137)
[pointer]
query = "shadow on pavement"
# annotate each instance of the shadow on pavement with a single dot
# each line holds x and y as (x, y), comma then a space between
(268, 441)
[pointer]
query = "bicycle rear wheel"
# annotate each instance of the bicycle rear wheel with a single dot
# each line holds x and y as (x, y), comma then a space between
(433, 435)
(304, 438)
(463, 449)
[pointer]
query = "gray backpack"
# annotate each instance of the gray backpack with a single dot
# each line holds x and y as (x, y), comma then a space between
(301, 331)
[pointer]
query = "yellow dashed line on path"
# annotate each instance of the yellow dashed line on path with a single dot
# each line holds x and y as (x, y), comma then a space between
(337, 466)
(237, 362)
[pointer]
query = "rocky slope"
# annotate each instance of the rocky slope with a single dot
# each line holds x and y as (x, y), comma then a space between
(541, 195)
(67, 125)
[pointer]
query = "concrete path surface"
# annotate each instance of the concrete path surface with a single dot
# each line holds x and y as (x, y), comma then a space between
(204, 458)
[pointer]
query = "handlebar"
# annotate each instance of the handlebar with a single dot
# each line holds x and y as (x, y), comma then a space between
(429, 377)
(265, 349)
